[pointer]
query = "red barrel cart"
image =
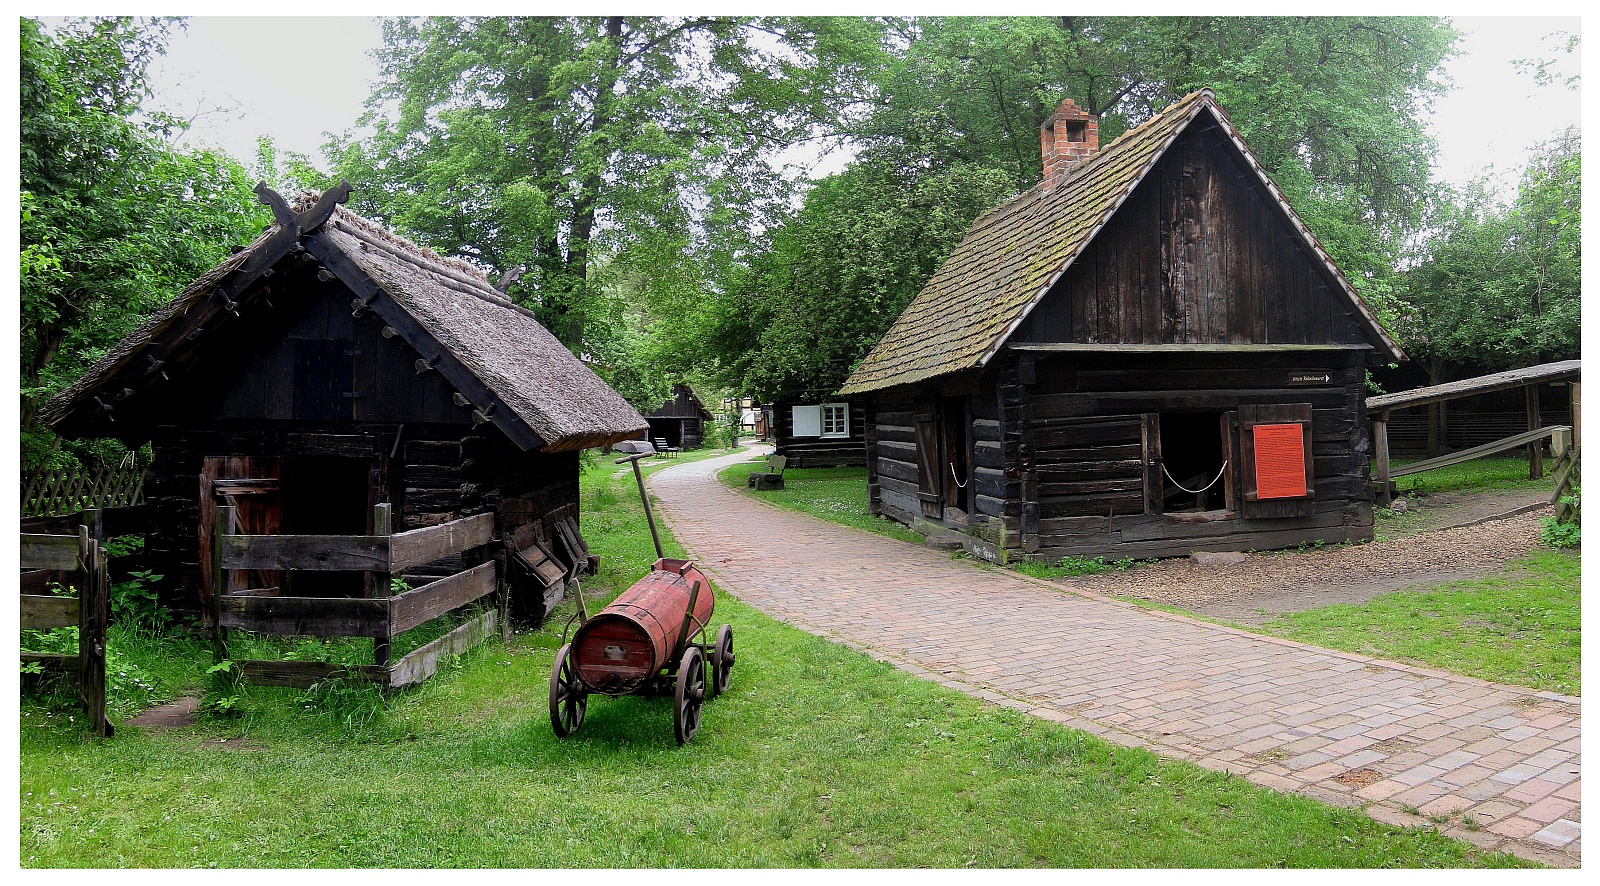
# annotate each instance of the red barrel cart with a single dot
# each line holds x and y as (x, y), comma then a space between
(643, 644)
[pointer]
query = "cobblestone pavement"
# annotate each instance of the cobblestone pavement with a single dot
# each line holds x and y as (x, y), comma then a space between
(1493, 764)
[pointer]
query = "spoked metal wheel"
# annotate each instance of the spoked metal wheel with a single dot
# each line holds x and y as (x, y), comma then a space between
(690, 695)
(568, 700)
(722, 659)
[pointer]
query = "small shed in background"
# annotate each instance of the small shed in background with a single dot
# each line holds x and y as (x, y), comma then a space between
(680, 421)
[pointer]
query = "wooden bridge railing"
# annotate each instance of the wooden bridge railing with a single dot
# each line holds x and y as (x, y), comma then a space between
(78, 562)
(381, 616)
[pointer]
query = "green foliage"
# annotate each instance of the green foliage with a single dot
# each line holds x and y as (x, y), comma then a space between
(1068, 567)
(947, 126)
(115, 221)
(1557, 533)
(1500, 286)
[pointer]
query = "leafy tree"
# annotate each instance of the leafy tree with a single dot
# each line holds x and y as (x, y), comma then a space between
(946, 122)
(536, 147)
(1501, 285)
(114, 220)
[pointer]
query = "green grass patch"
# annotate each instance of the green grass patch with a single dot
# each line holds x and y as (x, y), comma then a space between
(838, 495)
(817, 757)
(1520, 627)
(1474, 476)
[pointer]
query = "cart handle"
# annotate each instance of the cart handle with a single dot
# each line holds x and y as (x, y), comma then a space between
(648, 516)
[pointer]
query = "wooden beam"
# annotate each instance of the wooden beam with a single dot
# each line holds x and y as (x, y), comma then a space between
(49, 552)
(41, 613)
(94, 618)
(419, 546)
(436, 598)
(1467, 455)
(1535, 447)
(1577, 426)
(1499, 381)
(320, 553)
(312, 616)
(1380, 454)
(303, 674)
(421, 662)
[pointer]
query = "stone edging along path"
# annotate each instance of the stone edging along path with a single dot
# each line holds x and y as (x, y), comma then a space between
(1343, 728)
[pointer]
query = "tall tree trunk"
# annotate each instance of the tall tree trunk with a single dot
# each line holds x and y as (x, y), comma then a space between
(583, 217)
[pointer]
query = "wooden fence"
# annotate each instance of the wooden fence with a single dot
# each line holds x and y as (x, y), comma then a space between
(381, 616)
(53, 493)
(78, 562)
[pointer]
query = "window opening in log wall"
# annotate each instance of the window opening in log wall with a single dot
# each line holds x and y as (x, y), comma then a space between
(1194, 476)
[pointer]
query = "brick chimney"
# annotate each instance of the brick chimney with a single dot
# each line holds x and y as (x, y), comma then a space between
(1067, 138)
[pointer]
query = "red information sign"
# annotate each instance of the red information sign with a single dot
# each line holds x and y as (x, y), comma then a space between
(1280, 461)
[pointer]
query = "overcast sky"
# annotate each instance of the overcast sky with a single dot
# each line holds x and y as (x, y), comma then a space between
(294, 79)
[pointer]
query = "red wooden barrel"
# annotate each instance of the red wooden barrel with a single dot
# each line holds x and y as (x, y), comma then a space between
(630, 641)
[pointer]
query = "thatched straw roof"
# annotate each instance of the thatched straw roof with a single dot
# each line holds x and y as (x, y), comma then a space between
(545, 397)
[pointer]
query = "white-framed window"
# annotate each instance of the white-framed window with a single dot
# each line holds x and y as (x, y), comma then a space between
(835, 420)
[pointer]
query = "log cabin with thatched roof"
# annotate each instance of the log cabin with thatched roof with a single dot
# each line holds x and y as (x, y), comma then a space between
(329, 368)
(1146, 354)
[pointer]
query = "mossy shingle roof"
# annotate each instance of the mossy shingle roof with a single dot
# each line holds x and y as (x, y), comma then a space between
(1012, 255)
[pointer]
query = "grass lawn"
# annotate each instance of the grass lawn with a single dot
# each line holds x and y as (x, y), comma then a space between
(1477, 475)
(835, 494)
(1520, 627)
(818, 756)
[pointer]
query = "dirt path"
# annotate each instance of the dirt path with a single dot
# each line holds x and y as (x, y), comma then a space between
(1264, 584)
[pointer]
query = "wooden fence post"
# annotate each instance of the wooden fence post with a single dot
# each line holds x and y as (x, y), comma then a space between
(382, 524)
(1577, 438)
(1536, 448)
(93, 615)
(1380, 453)
(219, 582)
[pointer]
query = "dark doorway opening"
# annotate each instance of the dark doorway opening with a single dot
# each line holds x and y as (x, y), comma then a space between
(668, 429)
(326, 496)
(953, 425)
(1192, 459)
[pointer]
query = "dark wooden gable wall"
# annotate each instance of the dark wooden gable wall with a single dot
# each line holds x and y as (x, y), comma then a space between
(1197, 254)
(307, 359)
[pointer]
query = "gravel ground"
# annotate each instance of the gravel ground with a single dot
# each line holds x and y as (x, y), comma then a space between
(1288, 581)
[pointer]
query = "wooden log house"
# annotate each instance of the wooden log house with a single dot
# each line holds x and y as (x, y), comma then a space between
(1145, 355)
(681, 420)
(330, 376)
(829, 432)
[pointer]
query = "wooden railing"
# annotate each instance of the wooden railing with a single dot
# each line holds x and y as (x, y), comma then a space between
(381, 616)
(78, 562)
(54, 493)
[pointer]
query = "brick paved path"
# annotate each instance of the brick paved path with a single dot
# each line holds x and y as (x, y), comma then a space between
(1346, 729)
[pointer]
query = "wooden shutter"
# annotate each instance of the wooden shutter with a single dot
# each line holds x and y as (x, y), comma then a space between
(807, 421)
(1276, 471)
(929, 481)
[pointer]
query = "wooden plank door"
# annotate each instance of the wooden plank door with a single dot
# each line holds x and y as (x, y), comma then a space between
(250, 484)
(930, 466)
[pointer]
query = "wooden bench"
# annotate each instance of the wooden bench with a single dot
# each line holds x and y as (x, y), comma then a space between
(80, 562)
(772, 478)
(663, 449)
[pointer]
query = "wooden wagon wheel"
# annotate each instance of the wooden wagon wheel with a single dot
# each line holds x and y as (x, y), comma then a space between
(689, 696)
(722, 660)
(568, 700)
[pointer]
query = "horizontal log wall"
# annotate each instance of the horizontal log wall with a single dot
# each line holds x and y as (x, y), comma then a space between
(1095, 493)
(819, 452)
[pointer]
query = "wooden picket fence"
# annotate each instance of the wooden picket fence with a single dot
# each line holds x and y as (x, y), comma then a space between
(54, 493)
